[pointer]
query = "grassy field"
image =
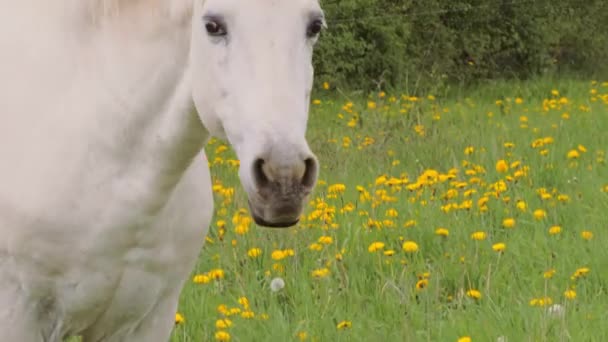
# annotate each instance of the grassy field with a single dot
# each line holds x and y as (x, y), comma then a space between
(481, 215)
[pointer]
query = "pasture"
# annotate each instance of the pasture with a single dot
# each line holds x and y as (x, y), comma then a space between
(480, 214)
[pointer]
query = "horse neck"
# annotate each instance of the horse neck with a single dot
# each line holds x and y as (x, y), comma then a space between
(122, 91)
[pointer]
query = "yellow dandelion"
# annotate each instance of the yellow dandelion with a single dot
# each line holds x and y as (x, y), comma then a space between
(254, 252)
(375, 246)
(442, 232)
(521, 205)
(544, 301)
(573, 154)
(302, 335)
(464, 339)
(587, 235)
(422, 284)
(179, 318)
(201, 279)
(410, 246)
(554, 230)
(244, 302)
(223, 323)
(247, 314)
(580, 273)
(548, 274)
(502, 166)
(217, 274)
(389, 252)
(392, 213)
(325, 240)
(475, 294)
(540, 214)
(508, 223)
(344, 325)
(570, 294)
(478, 236)
(320, 273)
(222, 336)
(499, 247)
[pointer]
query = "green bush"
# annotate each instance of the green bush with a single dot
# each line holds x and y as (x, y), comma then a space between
(421, 45)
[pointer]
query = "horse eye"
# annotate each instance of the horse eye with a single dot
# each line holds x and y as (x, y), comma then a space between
(314, 28)
(215, 29)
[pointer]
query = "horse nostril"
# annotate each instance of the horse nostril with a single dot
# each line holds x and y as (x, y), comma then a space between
(310, 172)
(259, 176)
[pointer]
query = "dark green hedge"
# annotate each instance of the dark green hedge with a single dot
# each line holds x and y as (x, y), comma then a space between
(421, 44)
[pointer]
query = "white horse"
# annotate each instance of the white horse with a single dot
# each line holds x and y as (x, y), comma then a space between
(105, 194)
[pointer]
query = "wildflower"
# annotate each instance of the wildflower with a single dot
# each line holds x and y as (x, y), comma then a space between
(316, 102)
(302, 335)
(478, 236)
(442, 232)
(544, 301)
(179, 318)
(570, 294)
(371, 105)
(277, 284)
(320, 273)
(499, 247)
(502, 166)
(222, 336)
(475, 294)
(469, 150)
(325, 240)
(247, 314)
(389, 252)
(587, 235)
(556, 310)
(540, 214)
(344, 325)
(325, 85)
(410, 246)
(573, 154)
(554, 230)
(412, 223)
(244, 302)
(508, 223)
(375, 246)
(201, 279)
(548, 274)
(336, 188)
(216, 274)
(279, 255)
(254, 252)
(223, 323)
(580, 273)
(315, 246)
(464, 339)
(422, 284)
(392, 213)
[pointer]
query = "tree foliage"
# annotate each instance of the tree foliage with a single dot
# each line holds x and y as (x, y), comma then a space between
(421, 44)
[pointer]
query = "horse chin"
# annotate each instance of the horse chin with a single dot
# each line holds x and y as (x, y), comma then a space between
(279, 222)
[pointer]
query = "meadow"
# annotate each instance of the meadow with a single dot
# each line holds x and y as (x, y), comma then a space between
(478, 215)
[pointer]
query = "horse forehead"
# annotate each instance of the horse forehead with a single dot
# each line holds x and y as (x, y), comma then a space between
(272, 7)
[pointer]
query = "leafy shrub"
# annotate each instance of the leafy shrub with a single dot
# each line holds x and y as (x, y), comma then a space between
(419, 45)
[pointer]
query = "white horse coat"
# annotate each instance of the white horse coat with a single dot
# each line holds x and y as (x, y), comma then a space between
(105, 194)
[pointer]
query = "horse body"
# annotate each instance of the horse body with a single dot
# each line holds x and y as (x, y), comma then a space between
(96, 229)
(105, 193)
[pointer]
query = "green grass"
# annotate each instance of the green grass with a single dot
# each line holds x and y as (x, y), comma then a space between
(377, 293)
